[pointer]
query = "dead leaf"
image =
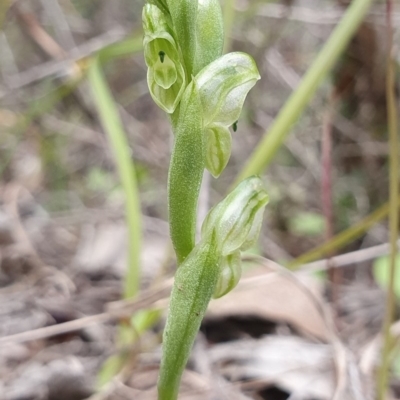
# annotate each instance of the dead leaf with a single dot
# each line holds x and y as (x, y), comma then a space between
(267, 294)
(294, 364)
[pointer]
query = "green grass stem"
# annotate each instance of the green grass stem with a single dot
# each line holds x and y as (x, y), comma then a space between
(124, 48)
(345, 237)
(300, 98)
(112, 125)
(383, 373)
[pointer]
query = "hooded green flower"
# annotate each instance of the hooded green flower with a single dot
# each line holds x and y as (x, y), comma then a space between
(223, 87)
(236, 222)
(165, 75)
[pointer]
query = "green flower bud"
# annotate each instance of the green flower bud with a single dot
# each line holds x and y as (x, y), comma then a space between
(223, 87)
(165, 75)
(217, 148)
(209, 33)
(183, 15)
(237, 219)
(231, 271)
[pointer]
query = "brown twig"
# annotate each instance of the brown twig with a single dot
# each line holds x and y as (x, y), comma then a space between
(62, 68)
(59, 22)
(12, 193)
(125, 308)
(327, 16)
(344, 260)
(114, 312)
(38, 35)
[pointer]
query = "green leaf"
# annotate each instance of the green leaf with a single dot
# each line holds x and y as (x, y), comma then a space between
(145, 319)
(114, 129)
(212, 267)
(209, 33)
(217, 148)
(185, 173)
(110, 368)
(223, 87)
(231, 271)
(194, 284)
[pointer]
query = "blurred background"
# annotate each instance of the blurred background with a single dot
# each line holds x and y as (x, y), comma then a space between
(63, 232)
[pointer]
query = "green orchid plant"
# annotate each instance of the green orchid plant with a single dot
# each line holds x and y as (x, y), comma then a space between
(202, 92)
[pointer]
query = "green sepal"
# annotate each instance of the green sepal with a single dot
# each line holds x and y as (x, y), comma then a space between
(230, 273)
(194, 285)
(217, 148)
(165, 76)
(238, 216)
(223, 87)
(254, 233)
(161, 4)
(185, 173)
(155, 26)
(209, 33)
